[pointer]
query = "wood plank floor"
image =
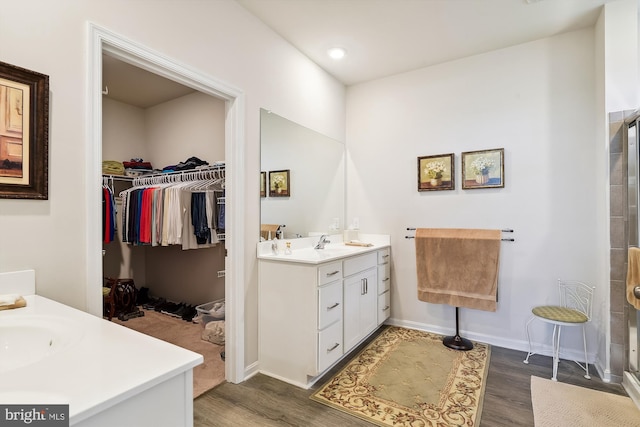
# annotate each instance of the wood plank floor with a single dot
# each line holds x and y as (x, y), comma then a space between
(264, 401)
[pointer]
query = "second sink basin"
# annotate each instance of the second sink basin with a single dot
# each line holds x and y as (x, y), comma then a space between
(27, 339)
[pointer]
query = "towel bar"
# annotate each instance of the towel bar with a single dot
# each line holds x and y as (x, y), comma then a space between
(506, 230)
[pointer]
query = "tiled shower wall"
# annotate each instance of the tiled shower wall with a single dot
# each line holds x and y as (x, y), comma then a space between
(619, 231)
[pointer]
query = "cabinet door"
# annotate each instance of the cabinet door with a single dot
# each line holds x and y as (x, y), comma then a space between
(360, 307)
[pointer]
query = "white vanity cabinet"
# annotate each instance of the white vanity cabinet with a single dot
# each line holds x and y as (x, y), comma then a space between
(315, 307)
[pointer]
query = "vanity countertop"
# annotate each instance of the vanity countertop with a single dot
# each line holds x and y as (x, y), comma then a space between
(302, 250)
(104, 365)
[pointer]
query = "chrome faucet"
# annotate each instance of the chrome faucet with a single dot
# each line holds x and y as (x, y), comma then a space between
(323, 241)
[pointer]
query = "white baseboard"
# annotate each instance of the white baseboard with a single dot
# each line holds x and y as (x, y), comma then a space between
(544, 349)
(251, 370)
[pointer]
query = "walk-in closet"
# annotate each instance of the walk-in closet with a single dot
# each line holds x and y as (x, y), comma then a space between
(164, 209)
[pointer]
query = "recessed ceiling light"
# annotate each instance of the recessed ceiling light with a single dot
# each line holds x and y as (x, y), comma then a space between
(337, 52)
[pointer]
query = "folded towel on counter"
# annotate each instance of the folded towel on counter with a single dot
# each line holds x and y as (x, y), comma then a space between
(10, 301)
(458, 267)
(633, 275)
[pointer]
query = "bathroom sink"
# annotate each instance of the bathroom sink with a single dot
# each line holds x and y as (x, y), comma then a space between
(318, 255)
(25, 340)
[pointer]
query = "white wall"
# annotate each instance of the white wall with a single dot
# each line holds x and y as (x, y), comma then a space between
(192, 125)
(123, 131)
(217, 38)
(537, 101)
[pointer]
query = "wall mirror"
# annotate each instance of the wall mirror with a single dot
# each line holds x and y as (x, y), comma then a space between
(314, 203)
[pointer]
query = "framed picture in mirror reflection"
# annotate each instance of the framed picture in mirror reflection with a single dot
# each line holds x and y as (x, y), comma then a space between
(263, 184)
(279, 185)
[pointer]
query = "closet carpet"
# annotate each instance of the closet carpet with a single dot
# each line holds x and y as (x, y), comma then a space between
(186, 335)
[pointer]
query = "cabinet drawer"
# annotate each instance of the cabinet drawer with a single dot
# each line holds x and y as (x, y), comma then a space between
(384, 256)
(384, 306)
(329, 304)
(359, 263)
(384, 278)
(329, 346)
(327, 273)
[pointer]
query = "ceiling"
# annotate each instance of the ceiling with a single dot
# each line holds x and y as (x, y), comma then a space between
(386, 37)
(134, 86)
(382, 37)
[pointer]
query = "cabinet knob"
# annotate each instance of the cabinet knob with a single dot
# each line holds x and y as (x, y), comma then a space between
(636, 291)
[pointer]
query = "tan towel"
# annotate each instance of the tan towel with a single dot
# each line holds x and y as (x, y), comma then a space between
(268, 231)
(458, 267)
(18, 303)
(633, 275)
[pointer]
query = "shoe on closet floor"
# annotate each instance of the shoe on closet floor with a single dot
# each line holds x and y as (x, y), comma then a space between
(153, 303)
(190, 313)
(169, 308)
(165, 306)
(179, 311)
(143, 296)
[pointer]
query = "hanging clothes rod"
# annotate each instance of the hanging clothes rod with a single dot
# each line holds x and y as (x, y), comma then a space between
(211, 172)
(506, 230)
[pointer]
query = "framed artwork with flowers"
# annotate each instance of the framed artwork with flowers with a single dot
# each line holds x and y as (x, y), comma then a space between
(436, 172)
(279, 183)
(483, 169)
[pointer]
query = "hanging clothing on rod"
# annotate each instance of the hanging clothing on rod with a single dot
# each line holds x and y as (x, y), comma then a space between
(173, 209)
(108, 211)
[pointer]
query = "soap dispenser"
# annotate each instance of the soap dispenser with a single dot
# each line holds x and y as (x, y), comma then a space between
(287, 249)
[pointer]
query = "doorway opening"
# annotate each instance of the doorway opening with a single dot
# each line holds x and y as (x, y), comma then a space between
(108, 43)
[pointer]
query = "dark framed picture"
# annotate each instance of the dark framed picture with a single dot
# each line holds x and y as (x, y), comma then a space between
(483, 169)
(436, 172)
(279, 185)
(24, 133)
(263, 184)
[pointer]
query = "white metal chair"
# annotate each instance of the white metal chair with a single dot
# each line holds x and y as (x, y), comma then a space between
(576, 300)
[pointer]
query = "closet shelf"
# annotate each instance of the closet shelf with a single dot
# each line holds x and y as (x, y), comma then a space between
(216, 171)
(117, 177)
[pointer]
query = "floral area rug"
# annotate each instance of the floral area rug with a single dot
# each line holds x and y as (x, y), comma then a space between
(407, 377)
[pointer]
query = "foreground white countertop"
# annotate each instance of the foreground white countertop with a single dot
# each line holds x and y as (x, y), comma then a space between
(302, 250)
(107, 365)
